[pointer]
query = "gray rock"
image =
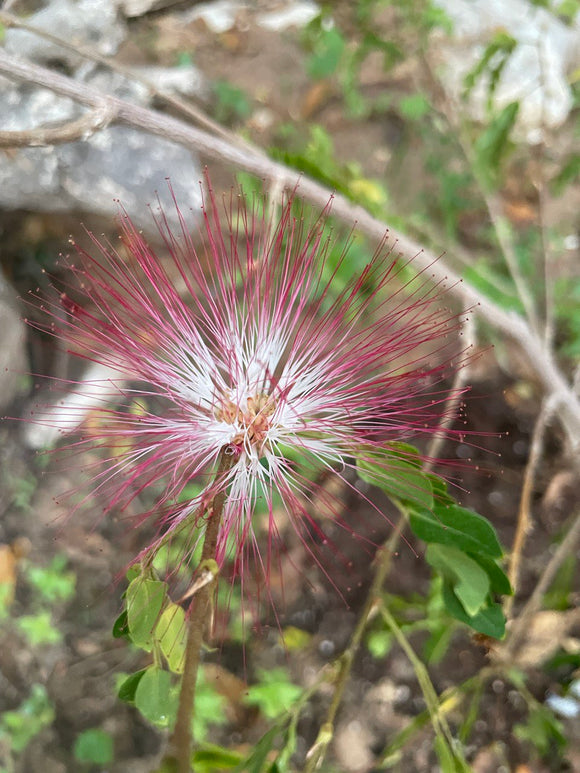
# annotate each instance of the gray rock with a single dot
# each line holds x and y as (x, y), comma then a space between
(536, 73)
(86, 22)
(13, 361)
(135, 8)
(88, 175)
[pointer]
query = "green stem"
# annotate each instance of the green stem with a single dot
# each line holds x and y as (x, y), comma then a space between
(450, 701)
(438, 720)
(178, 757)
(318, 751)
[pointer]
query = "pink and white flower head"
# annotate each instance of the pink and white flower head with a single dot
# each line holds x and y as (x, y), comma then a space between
(248, 345)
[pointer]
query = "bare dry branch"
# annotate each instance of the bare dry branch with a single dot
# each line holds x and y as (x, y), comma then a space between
(524, 514)
(79, 129)
(185, 108)
(460, 380)
(522, 623)
(250, 159)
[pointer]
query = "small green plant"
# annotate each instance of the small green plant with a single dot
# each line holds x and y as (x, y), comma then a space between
(462, 545)
(23, 489)
(152, 622)
(316, 156)
(232, 105)
(94, 747)
(53, 583)
(38, 629)
(20, 726)
(543, 731)
(51, 586)
(274, 693)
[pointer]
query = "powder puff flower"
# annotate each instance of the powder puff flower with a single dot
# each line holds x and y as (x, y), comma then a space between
(243, 342)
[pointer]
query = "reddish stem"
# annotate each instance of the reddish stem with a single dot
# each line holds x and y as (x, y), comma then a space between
(178, 757)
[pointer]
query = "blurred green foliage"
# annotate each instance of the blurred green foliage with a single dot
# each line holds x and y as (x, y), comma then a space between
(231, 104)
(18, 727)
(94, 747)
(274, 693)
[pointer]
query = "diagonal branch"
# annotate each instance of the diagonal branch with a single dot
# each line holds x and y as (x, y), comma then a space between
(186, 108)
(522, 623)
(511, 325)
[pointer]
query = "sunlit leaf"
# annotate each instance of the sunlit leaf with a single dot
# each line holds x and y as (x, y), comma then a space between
(470, 582)
(144, 601)
(456, 526)
(155, 697)
(401, 480)
(171, 634)
(94, 747)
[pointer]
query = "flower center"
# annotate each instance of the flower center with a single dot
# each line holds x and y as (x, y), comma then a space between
(253, 419)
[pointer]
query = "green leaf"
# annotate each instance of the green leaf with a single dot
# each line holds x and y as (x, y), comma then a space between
(210, 708)
(470, 582)
(456, 526)
(379, 643)
(414, 106)
(231, 103)
(406, 452)
(155, 697)
(26, 721)
(53, 583)
(274, 694)
(439, 488)
(171, 633)
(492, 145)
(489, 620)
(94, 746)
(211, 758)
(444, 755)
(289, 743)
(543, 730)
(39, 629)
(567, 174)
(492, 284)
(494, 59)
(144, 601)
(450, 760)
(328, 51)
(135, 570)
(121, 626)
(568, 10)
(255, 762)
(126, 691)
(498, 579)
(400, 479)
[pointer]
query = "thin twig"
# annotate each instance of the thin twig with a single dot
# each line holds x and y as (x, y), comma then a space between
(539, 180)
(275, 192)
(455, 396)
(524, 514)
(510, 324)
(503, 232)
(79, 129)
(549, 321)
(522, 623)
(317, 752)
(453, 115)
